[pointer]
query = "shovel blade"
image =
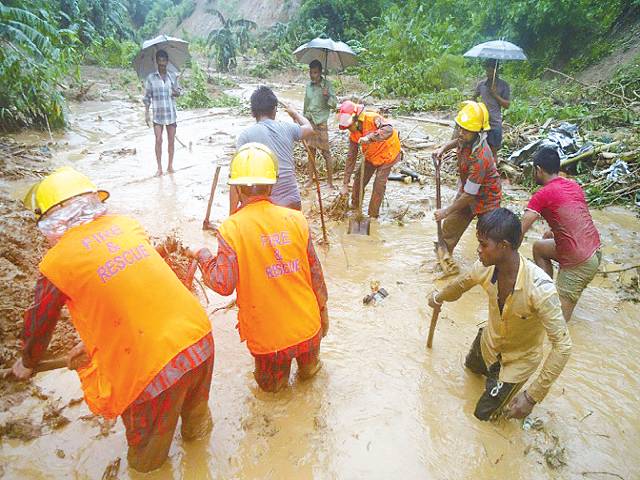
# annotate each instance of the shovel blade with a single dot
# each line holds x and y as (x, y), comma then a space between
(360, 226)
(448, 265)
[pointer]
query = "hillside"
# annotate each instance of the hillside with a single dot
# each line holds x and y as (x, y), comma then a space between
(264, 12)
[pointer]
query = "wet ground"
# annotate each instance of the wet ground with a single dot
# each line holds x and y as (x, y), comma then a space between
(383, 406)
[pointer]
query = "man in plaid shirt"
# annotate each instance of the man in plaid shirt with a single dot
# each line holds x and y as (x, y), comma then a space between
(160, 89)
(479, 188)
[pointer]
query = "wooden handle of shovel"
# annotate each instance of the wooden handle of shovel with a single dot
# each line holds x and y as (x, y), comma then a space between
(432, 327)
(214, 184)
(316, 180)
(44, 366)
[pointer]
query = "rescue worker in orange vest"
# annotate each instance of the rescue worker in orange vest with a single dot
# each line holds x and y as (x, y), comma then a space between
(147, 349)
(380, 147)
(265, 253)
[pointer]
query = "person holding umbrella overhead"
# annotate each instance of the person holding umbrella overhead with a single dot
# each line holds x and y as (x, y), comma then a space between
(158, 64)
(496, 95)
(319, 101)
(160, 89)
(494, 91)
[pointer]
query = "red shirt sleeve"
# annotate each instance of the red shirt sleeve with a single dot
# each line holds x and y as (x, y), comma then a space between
(220, 273)
(40, 321)
(317, 276)
(538, 201)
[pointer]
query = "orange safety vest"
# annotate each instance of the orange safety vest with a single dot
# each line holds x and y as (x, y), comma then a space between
(376, 153)
(131, 311)
(277, 307)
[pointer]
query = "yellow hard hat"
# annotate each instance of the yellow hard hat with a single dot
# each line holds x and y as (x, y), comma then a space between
(253, 164)
(473, 116)
(61, 185)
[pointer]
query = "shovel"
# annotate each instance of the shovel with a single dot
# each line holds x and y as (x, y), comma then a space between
(449, 267)
(206, 225)
(360, 224)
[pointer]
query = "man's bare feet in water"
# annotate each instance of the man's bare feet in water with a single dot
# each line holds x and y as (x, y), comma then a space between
(170, 169)
(158, 173)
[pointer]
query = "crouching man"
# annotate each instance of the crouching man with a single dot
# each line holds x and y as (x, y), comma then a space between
(265, 253)
(523, 306)
(147, 349)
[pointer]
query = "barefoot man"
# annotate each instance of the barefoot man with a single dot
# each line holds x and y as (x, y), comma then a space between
(319, 101)
(160, 89)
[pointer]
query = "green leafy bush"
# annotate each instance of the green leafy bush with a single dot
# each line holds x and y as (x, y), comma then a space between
(196, 94)
(109, 52)
(35, 55)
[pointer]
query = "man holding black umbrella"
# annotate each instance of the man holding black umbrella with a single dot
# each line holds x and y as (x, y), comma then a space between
(495, 94)
(160, 89)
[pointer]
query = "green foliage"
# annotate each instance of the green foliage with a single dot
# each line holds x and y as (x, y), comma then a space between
(160, 10)
(224, 42)
(35, 55)
(340, 20)
(408, 54)
(196, 93)
(439, 100)
(109, 52)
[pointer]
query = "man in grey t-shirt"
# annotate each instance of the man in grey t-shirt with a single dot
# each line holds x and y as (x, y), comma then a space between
(496, 95)
(279, 137)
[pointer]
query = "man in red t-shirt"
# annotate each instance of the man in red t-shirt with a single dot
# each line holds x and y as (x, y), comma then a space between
(573, 240)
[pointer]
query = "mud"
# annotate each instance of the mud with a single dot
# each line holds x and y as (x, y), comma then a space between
(21, 248)
(383, 406)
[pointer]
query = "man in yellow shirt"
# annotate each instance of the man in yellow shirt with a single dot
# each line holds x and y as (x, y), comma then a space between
(523, 306)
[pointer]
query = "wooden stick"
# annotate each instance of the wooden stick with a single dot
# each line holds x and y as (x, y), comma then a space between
(432, 326)
(180, 141)
(43, 366)
(619, 270)
(621, 97)
(312, 160)
(206, 225)
(436, 121)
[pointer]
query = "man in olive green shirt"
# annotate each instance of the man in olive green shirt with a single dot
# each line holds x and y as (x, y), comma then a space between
(319, 101)
(523, 306)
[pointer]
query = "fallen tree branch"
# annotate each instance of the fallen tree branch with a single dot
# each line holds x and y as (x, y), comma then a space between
(436, 121)
(619, 270)
(611, 474)
(600, 148)
(586, 85)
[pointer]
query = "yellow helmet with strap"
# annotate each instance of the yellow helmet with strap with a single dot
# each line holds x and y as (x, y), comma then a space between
(61, 185)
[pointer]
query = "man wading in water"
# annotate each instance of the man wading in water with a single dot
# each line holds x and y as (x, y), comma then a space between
(160, 89)
(523, 306)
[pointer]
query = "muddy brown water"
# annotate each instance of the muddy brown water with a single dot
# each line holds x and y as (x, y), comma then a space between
(383, 406)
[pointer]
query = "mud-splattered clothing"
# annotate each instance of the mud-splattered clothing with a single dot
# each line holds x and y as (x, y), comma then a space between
(479, 176)
(273, 369)
(150, 425)
(514, 336)
(562, 203)
(40, 320)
